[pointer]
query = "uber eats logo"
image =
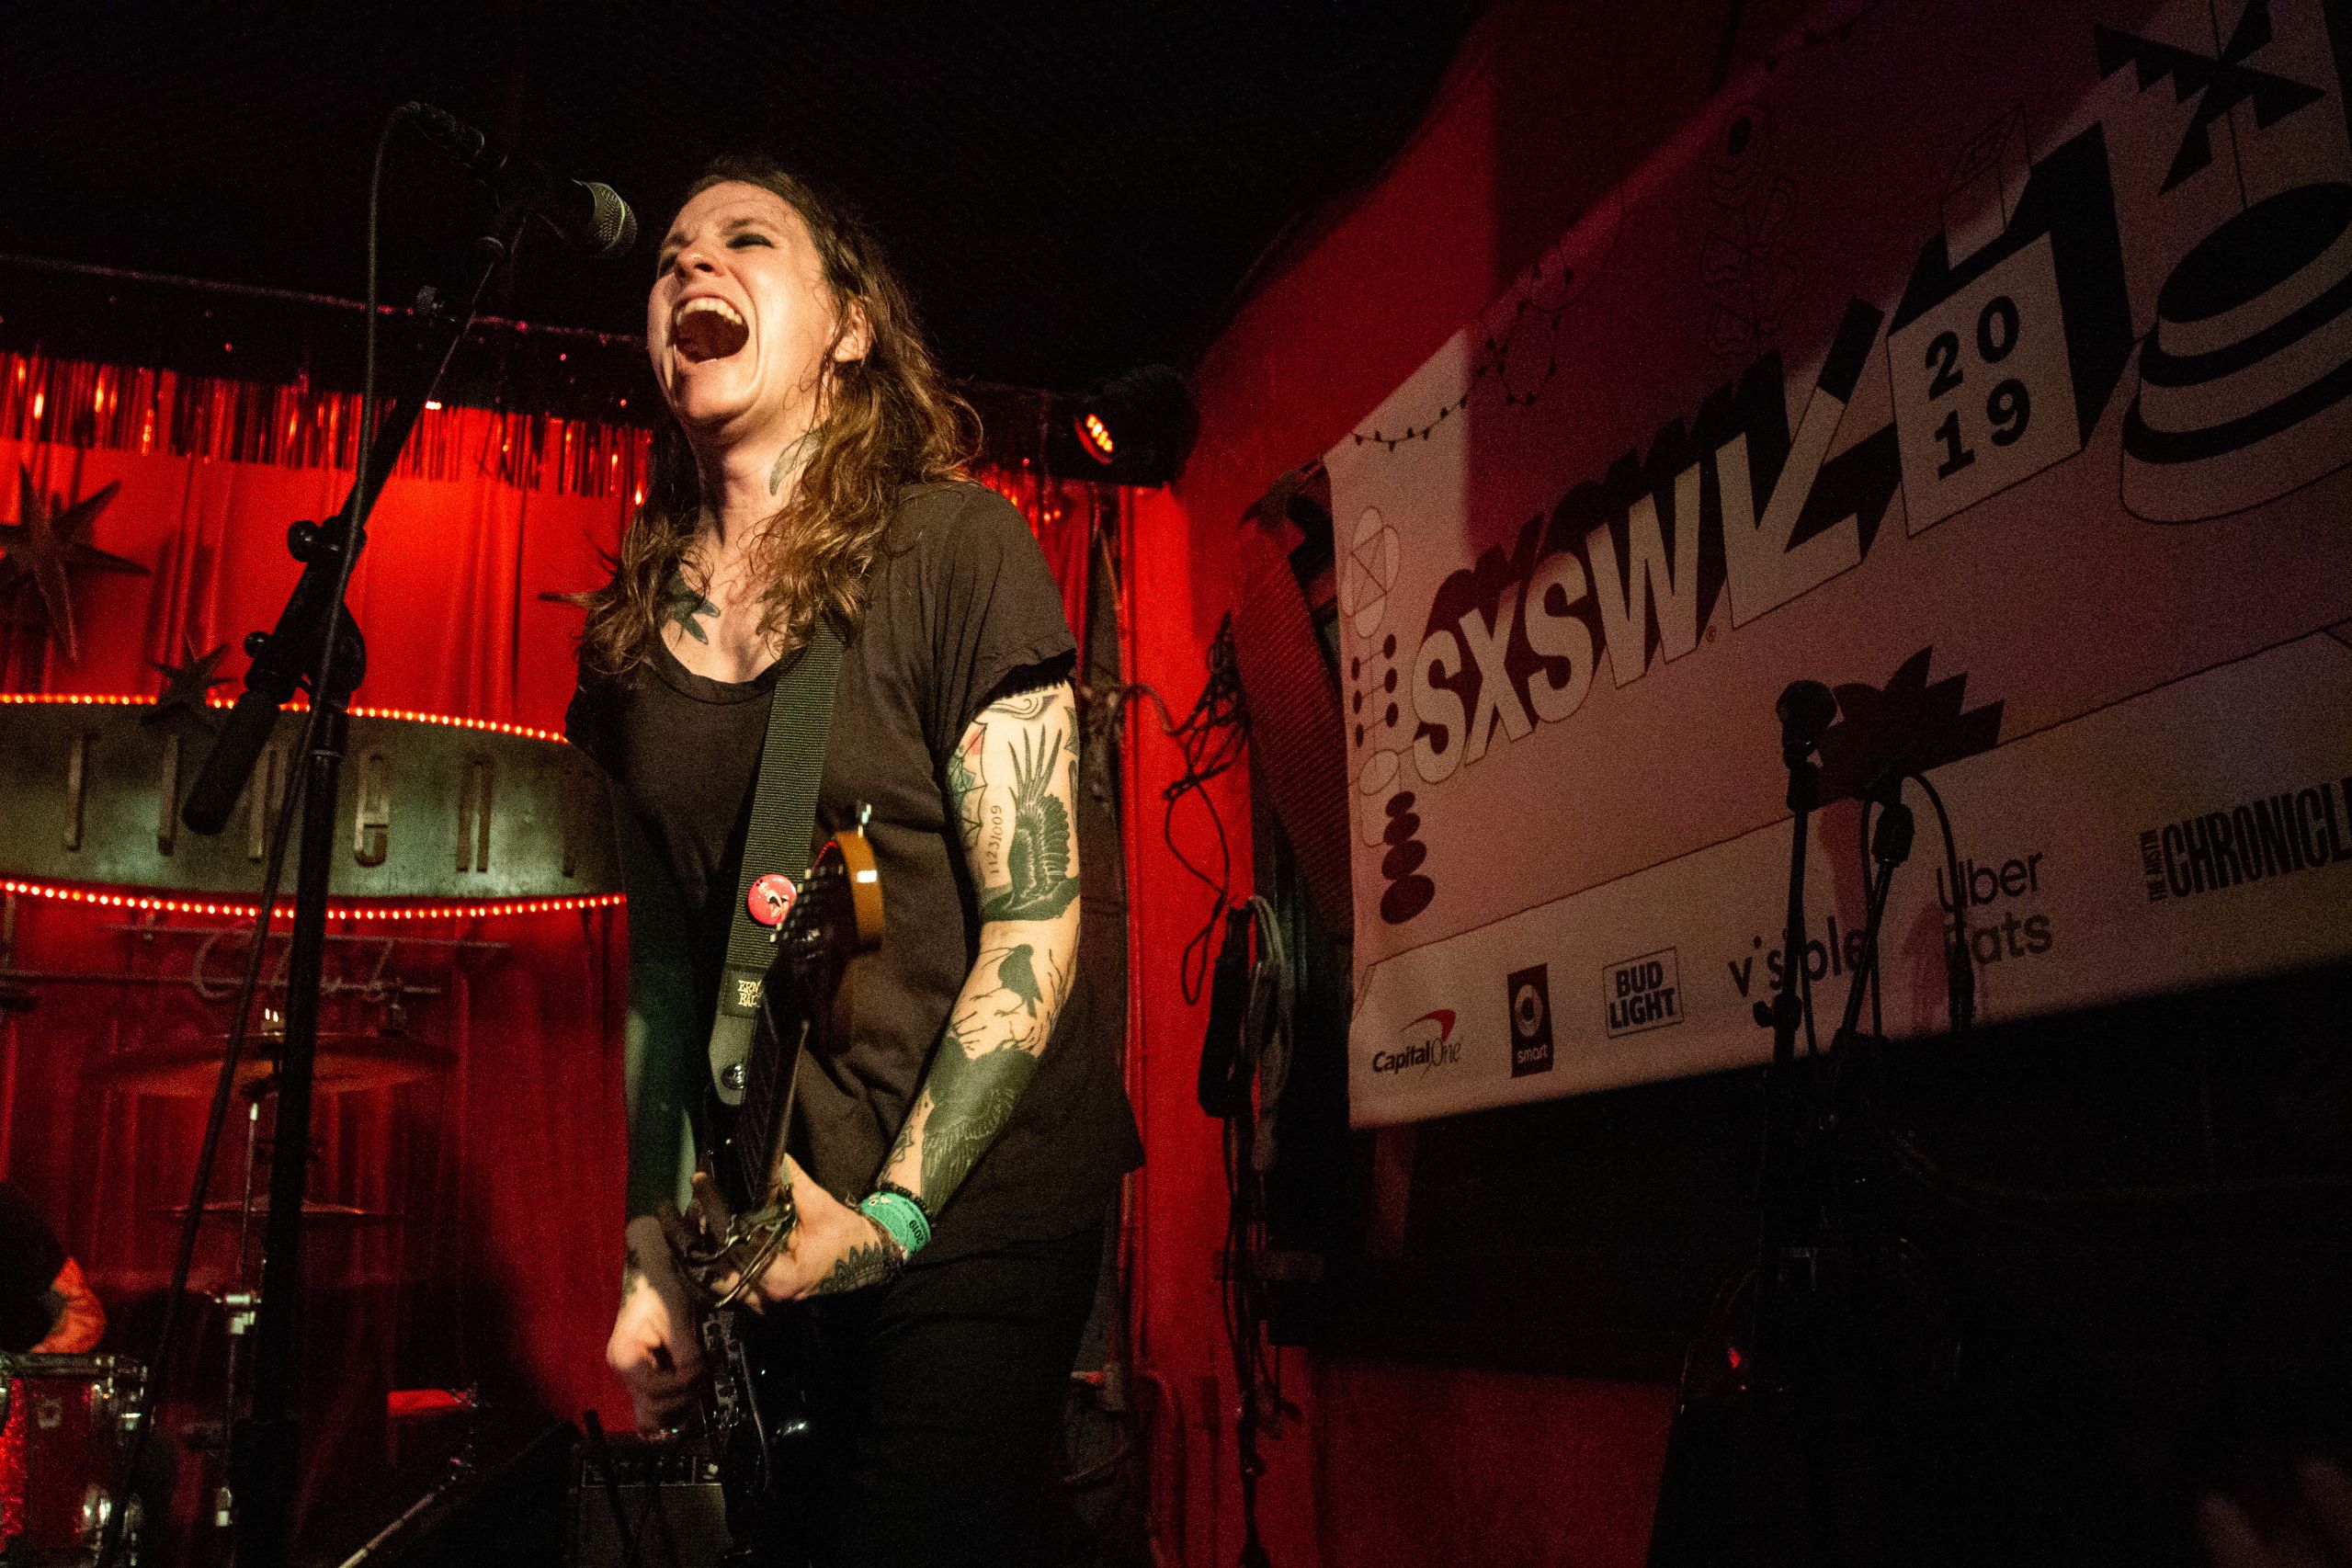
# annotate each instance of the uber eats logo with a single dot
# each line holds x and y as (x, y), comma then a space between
(1642, 992)
(1530, 992)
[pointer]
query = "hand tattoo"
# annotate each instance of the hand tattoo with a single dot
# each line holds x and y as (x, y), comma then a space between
(859, 1266)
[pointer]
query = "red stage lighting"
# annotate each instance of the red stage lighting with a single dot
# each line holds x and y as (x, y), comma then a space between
(1093, 436)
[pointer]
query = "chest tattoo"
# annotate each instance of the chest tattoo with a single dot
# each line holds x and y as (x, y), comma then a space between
(686, 606)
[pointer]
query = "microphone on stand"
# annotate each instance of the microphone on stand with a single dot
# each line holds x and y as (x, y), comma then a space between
(1806, 711)
(588, 214)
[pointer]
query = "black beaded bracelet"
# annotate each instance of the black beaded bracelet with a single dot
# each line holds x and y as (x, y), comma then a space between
(913, 1198)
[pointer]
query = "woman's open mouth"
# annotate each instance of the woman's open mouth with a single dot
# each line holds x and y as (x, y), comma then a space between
(707, 328)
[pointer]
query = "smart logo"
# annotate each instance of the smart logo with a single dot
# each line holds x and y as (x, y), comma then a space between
(1530, 994)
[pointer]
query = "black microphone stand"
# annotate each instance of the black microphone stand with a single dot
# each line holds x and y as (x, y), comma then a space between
(1890, 847)
(1761, 1467)
(1805, 709)
(284, 659)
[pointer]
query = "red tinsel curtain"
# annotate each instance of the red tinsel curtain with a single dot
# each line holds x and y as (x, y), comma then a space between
(491, 1192)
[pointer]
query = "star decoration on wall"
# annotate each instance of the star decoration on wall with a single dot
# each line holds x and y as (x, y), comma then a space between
(49, 540)
(186, 686)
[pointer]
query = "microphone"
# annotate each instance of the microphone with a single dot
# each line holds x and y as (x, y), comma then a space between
(1806, 711)
(588, 214)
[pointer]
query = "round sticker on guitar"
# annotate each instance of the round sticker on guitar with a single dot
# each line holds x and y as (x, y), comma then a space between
(771, 898)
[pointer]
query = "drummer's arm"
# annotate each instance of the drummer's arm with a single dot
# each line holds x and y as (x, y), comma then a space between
(76, 1321)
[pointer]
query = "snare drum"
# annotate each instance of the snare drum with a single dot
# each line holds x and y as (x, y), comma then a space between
(68, 1418)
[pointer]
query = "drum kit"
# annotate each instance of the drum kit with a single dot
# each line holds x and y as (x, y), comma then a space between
(67, 1417)
(460, 816)
(65, 1420)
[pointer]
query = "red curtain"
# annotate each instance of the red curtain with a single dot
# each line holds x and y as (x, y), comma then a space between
(490, 1251)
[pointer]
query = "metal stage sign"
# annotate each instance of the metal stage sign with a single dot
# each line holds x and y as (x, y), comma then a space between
(442, 809)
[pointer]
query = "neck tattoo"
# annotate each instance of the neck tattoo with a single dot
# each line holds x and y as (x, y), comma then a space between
(791, 457)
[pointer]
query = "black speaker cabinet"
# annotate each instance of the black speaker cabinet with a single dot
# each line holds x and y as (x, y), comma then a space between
(668, 1502)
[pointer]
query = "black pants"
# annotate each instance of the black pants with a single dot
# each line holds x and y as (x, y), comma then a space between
(942, 1400)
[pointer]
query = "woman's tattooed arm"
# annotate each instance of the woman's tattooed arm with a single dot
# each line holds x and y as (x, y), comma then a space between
(1012, 784)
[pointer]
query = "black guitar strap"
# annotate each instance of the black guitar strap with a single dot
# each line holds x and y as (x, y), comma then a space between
(783, 820)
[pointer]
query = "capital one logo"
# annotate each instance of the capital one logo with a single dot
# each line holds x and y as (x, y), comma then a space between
(1427, 1043)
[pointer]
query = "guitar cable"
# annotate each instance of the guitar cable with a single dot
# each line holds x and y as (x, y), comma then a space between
(633, 1538)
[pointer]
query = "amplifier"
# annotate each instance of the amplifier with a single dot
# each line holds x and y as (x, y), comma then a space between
(669, 1504)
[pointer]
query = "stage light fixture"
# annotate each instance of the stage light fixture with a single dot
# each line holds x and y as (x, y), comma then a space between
(1093, 436)
(1139, 426)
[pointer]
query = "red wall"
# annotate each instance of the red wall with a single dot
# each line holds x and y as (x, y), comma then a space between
(1548, 107)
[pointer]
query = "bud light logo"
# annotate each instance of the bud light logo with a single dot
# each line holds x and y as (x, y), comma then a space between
(1643, 993)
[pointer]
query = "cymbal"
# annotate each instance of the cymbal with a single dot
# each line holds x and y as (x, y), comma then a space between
(345, 1062)
(315, 1211)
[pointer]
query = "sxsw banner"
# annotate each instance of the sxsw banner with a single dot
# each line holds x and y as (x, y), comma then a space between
(1991, 362)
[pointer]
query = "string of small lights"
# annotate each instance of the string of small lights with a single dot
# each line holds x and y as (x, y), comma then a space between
(66, 892)
(119, 700)
(477, 910)
(1494, 354)
(1815, 34)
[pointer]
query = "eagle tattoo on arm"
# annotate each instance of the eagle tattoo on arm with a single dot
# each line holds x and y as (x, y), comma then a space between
(1038, 857)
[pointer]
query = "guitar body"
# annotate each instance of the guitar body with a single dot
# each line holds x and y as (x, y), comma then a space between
(762, 1368)
(760, 1415)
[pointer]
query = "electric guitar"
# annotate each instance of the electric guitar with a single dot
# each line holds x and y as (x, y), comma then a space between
(760, 1366)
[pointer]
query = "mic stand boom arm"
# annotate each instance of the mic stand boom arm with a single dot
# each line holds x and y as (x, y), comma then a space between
(288, 657)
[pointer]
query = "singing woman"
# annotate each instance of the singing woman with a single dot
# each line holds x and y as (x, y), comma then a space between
(810, 470)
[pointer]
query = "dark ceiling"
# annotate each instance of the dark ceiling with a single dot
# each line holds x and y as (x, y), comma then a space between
(1070, 190)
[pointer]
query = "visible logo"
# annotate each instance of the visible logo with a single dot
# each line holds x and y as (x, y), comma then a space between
(1428, 1041)
(2001, 897)
(1643, 993)
(1530, 992)
(746, 993)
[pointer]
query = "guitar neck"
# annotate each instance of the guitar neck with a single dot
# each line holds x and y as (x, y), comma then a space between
(756, 1128)
(837, 914)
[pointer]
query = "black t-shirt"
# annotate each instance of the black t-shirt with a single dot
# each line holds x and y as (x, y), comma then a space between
(959, 605)
(29, 1259)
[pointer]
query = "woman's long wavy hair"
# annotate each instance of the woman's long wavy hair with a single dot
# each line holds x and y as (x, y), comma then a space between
(886, 419)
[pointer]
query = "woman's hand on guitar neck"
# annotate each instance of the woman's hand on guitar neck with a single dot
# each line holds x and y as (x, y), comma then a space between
(833, 1248)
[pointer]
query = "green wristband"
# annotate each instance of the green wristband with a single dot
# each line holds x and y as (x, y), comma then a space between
(902, 1217)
